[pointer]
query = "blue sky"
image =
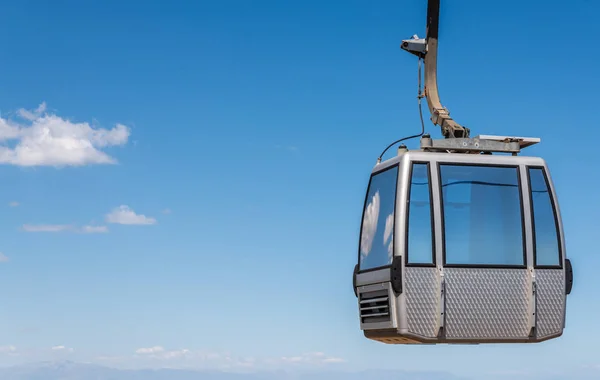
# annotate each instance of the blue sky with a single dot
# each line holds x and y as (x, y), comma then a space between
(248, 133)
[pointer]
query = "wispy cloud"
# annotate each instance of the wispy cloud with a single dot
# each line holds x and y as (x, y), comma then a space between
(34, 114)
(184, 356)
(47, 227)
(3, 258)
(125, 215)
(150, 350)
(119, 215)
(312, 358)
(159, 352)
(14, 204)
(42, 138)
(64, 228)
(158, 356)
(369, 226)
(62, 349)
(389, 227)
(94, 229)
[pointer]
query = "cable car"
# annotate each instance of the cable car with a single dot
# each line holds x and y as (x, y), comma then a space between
(461, 241)
(462, 248)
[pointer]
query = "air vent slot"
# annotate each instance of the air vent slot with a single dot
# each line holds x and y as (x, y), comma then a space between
(375, 306)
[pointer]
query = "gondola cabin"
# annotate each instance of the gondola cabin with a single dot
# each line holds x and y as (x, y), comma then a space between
(462, 247)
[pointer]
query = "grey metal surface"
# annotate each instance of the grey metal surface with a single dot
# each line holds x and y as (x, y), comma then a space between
(422, 300)
(527, 220)
(524, 142)
(469, 145)
(373, 277)
(437, 211)
(550, 301)
(415, 45)
(560, 230)
(400, 232)
(417, 155)
(487, 303)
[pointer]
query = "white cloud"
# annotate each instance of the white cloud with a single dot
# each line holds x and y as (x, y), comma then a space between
(167, 211)
(150, 350)
(389, 223)
(369, 225)
(389, 227)
(61, 349)
(334, 360)
(14, 204)
(159, 356)
(47, 227)
(159, 352)
(32, 115)
(176, 353)
(94, 229)
(313, 358)
(45, 139)
(202, 359)
(64, 228)
(125, 215)
(3, 258)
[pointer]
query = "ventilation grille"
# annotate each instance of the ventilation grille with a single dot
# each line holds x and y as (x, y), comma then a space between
(375, 306)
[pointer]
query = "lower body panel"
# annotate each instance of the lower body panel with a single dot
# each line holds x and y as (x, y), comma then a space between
(475, 305)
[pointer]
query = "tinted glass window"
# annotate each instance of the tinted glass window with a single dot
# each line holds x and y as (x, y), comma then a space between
(482, 215)
(420, 245)
(377, 235)
(544, 220)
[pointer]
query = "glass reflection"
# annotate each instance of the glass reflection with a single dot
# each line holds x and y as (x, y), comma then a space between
(377, 235)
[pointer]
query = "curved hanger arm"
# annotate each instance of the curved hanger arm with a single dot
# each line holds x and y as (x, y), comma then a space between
(427, 49)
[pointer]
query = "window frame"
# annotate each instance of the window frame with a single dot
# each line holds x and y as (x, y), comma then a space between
(517, 168)
(395, 166)
(551, 195)
(407, 262)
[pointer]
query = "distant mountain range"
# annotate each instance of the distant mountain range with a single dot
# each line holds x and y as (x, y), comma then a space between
(80, 371)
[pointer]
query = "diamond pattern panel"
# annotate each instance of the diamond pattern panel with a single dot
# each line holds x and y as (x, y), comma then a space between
(486, 303)
(422, 298)
(550, 301)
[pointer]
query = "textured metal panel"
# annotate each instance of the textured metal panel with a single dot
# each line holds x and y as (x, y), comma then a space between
(422, 298)
(550, 301)
(487, 303)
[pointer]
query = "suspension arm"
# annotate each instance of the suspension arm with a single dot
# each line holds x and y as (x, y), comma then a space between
(427, 49)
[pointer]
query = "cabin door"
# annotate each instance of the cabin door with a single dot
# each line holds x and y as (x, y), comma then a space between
(487, 286)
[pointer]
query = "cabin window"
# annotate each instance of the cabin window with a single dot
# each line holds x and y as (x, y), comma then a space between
(377, 231)
(545, 226)
(419, 249)
(482, 215)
